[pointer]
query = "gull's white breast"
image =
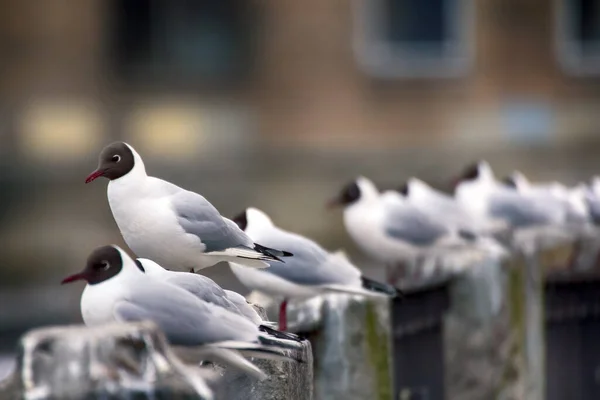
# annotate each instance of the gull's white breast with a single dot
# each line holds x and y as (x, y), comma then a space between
(364, 223)
(149, 225)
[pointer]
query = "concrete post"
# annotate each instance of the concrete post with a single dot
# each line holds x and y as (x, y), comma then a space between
(351, 340)
(286, 380)
(495, 329)
(112, 362)
(483, 352)
(126, 361)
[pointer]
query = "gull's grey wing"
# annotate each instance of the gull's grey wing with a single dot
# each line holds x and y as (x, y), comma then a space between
(522, 211)
(244, 308)
(183, 318)
(203, 288)
(310, 263)
(408, 224)
(198, 217)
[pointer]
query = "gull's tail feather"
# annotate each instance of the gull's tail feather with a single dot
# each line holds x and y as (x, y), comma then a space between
(258, 350)
(233, 359)
(278, 334)
(380, 287)
(244, 256)
(352, 290)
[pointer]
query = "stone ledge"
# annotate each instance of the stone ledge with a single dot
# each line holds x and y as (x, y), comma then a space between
(124, 360)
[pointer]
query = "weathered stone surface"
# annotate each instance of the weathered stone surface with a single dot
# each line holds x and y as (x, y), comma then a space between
(483, 353)
(494, 332)
(133, 361)
(351, 340)
(289, 380)
(121, 361)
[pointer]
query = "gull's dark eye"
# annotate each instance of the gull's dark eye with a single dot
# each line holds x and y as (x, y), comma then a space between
(116, 158)
(102, 266)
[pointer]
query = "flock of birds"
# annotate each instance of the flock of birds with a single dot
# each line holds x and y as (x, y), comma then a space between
(417, 226)
(176, 232)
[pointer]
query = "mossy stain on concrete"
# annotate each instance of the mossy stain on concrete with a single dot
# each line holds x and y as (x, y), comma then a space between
(378, 353)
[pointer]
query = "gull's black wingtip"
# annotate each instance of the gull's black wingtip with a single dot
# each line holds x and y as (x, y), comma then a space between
(380, 287)
(280, 334)
(273, 254)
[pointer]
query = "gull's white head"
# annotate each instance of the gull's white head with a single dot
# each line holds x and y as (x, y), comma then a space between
(104, 264)
(116, 161)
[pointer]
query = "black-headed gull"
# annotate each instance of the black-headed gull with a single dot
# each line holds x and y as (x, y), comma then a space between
(175, 227)
(538, 221)
(392, 231)
(574, 197)
(444, 207)
(118, 291)
(311, 271)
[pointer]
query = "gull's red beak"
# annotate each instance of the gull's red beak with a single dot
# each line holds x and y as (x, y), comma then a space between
(94, 175)
(75, 277)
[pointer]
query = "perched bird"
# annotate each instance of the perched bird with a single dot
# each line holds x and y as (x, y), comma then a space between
(177, 228)
(208, 290)
(444, 207)
(574, 197)
(310, 272)
(538, 220)
(392, 231)
(118, 291)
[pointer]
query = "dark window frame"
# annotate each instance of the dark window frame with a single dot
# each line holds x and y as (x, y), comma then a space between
(147, 71)
(380, 58)
(572, 57)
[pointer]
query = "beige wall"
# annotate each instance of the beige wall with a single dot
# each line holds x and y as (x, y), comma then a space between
(308, 88)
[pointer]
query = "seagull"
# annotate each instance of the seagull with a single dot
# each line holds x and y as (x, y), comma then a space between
(575, 197)
(444, 207)
(538, 219)
(392, 231)
(208, 290)
(175, 227)
(310, 272)
(118, 291)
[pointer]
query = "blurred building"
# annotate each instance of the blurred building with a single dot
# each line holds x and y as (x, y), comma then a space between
(272, 103)
(343, 74)
(277, 103)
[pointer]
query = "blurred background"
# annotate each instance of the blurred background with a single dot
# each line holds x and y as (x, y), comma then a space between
(275, 104)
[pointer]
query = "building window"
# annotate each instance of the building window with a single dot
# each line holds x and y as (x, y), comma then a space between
(414, 38)
(578, 36)
(169, 41)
